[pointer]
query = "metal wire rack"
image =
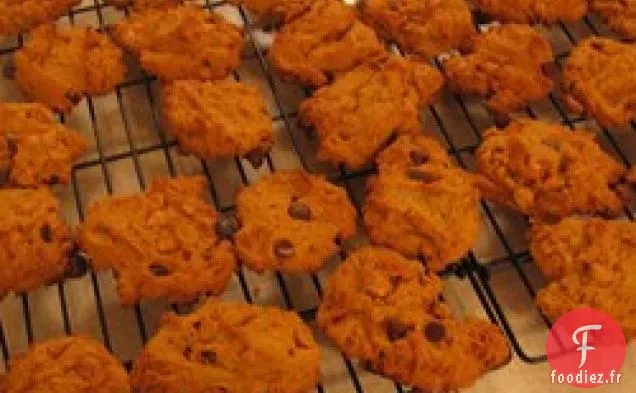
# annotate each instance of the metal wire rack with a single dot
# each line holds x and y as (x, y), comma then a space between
(129, 147)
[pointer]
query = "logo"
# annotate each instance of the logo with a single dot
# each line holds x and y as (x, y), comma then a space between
(586, 349)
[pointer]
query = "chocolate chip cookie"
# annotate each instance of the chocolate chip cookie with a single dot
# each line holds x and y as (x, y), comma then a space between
(59, 65)
(34, 240)
(546, 170)
(23, 15)
(35, 149)
(67, 364)
(534, 11)
(219, 119)
(161, 243)
(421, 204)
(619, 15)
(593, 265)
(596, 81)
(293, 222)
(505, 65)
(426, 28)
(357, 114)
(324, 40)
(230, 348)
(386, 311)
(181, 43)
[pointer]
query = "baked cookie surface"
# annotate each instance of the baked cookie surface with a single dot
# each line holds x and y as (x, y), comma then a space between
(386, 311)
(229, 348)
(292, 221)
(17, 16)
(67, 364)
(546, 170)
(364, 108)
(534, 11)
(219, 119)
(326, 39)
(505, 65)
(59, 65)
(158, 240)
(426, 28)
(619, 15)
(596, 82)
(185, 42)
(34, 148)
(421, 204)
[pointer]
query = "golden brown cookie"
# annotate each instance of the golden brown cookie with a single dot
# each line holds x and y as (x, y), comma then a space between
(34, 241)
(140, 5)
(547, 170)
(620, 15)
(534, 11)
(182, 43)
(67, 364)
(292, 221)
(229, 348)
(324, 40)
(385, 311)
(59, 65)
(421, 204)
(505, 65)
(593, 264)
(35, 149)
(23, 15)
(161, 243)
(423, 27)
(364, 108)
(597, 82)
(219, 119)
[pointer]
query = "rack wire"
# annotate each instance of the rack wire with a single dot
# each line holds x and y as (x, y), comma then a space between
(492, 272)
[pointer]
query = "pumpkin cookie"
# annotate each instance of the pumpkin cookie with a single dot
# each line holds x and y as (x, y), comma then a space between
(230, 348)
(34, 148)
(292, 221)
(23, 15)
(364, 108)
(547, 170)
(423, 27)
(596, 82)
(619, 15)
(505, 65)
(534, 11)
(158, 240)
(421, 204)
(59, 65)
(182, 43)
(219, 119)
(385, 311)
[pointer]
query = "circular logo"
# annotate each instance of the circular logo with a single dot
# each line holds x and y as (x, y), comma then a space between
(586, 349)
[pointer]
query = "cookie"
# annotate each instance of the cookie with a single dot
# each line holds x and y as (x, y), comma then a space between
(140, 5)
(421, 204)
(158, 240)
(619, 15)
(505, 65)
(324, 40)
(596, 82)
(35, 243)
(386, 311)
(546, 170)
(21, 16)
(230, 348)
(534, 11)
(357, 114)
(59, 65)
(219, 119)
(593, 265)
(67, 364)
(425, 28)
(181, 43)
(293, 222)
(35, 149)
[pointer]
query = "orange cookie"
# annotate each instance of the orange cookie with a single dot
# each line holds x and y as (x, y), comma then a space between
(23, 15)
(534, 11)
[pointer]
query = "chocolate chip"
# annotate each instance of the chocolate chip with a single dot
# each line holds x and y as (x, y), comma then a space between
(74, 98)
(46, 232)
(299, 211)
(196, 325)
(77, 265)
(208, 357)
(226, 226)
(159, 270)
(420, 175)
(418, 158)
(434, 332)
(256, 157)
(53, 180)
(284, 249)
(396, 330)
(12, 144)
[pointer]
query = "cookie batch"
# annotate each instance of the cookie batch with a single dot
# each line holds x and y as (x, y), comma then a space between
(383, 303)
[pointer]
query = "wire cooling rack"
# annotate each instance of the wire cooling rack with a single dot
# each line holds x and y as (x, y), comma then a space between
(129, 147)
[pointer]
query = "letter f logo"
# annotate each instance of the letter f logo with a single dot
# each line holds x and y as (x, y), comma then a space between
(584, 347)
